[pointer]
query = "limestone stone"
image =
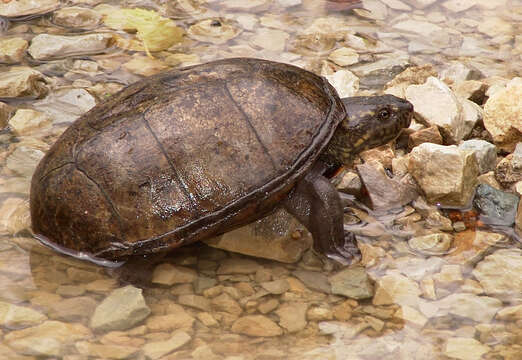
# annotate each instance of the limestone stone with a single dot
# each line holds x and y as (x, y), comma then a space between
(25, 121)
(314, 280)
(105, 351)
(19, 316)
(256, 325)
(207, 319)
(345, 82)
(268, 306)
(446, 174)
(49, 339)
(292, 316)
(510, 313)
(413, 75)
(485, 152)
(459, 5)
(270, 39)
(47, 47)
(168, 274)
(144, 65)
(503, 115)
(476, 308)
(157, 349)
(73, 309)
(499, 273)
(509, 170)
(178, 320)
(430, 135)
(214, 31)
(420, 4)
(464, 348)
(22, 81)
(411, 316)
(395, 288)
(226, 303)
(352, 282)
(12, 50)
(27, 7)
(344, 56)
(195, 301)
(435, 104)
(278, 236)
(66, 104)
(122, 309)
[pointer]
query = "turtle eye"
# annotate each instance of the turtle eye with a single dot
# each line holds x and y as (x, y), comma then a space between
(383, 114)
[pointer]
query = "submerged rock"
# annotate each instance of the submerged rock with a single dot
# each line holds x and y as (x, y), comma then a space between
(352, 282)
(215, 31)
(157, 349)
(256, 325)
(12, 50)
(22, 81)
(77, 17)
(464, 348)
(46, 46)
(496, 207)
(27, 7)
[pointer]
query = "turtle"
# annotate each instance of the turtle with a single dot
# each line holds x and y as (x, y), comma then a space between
(191, 153)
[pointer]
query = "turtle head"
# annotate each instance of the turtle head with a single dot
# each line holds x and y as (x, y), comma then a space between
(370, 121)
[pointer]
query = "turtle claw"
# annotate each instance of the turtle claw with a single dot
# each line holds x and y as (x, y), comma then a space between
(346, 253)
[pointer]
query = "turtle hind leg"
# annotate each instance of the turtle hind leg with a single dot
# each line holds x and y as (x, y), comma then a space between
(317, 205)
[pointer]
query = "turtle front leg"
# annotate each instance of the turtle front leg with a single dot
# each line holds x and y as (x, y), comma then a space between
(316, 204)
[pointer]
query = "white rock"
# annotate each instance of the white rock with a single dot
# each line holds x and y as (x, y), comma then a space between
(465, 348)
(289, 3)
(25, 121)
(77, 17)
(22, 81)
(397, 5)
(46, 47)
(344, 56)
(66, 104)
(19, 316)
(207, 31)
(396, 289)
(423, 28)
(345, 82)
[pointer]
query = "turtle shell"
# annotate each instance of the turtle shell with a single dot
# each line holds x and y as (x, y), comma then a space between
(181, 156)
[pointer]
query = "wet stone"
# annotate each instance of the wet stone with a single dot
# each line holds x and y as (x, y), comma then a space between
(157, 349)
(268, 306)
(429, 135)
(19, 316)
(195, 301)
(314, 280)
(292, 316)
(12, 50)
(73, 309)
(256, 325)
(167, 274)
(66, 105)
(433, 244)
(26, 121)
(352, 282)
(344, 56)
(396, 289)
(509, 170)
(165, 323)
(22, 81)
(77, 17)
(14, 215)
(122, 309)
(46, 46)
(105, 351)
(226, 303)
(345, 82)
(485, 152)
(496, 207)
(411, 316)
(464, 348)
(144, 65)
(276, 287)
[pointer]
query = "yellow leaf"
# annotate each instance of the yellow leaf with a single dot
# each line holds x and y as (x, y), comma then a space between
(156, 32)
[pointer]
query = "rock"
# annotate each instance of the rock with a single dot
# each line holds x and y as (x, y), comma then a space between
(180, 319)
(464, 348)
(226, 303)
(496, 207)
(344, 56)
(270, 39)
(22, 81)
(158, 349)
(5, 114)
(432, 244)
(278, 236)
(194, 301)
(26, 121)
(420, 4)
(73, 309)
(292, 316)
(121, 310)
(476, 308)
(429, 135)
(384, 193)
(352, 282)
(12, 50)
(345, 82)
(518, 220)
(377, 73)
(256, 325)
(18, 316)
(411, 316)
(204, 352)
(350, 183)
(168, 274)
(50, 339)
(27, 7)
(207, 319)
(485, 152)
(215, 31)
(314, 280)
(145, 66)
(14, 215)
(473, 90)
(23, 160)
(276, 287)
(413, 75)
(510, 313)
(459, 5)
(449, 277)
(499, 274)
(446, 174)
(238, 266)
(471, 246)
(66, 104)
(395, 288)
(106, 351)
(457, 72)
(424, 28)
(268, 306)
(509, 170)
(47, 47)
(435, 104)
(319, 313)
(503, 115)
(77, 17)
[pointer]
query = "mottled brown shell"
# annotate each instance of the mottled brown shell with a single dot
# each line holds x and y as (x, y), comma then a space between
(182, 156)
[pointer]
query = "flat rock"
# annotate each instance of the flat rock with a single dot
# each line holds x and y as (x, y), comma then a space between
(420, 4)
(22, 81)
(73, 309)
(395, 288)
(194, 301)
(485, 152)
(157, 349)
(26, 121)
(144, 65)
(496, 207)
(277, 287)
(77, 17)
(352, 282)
(19, 316)
(344, 56)
(429, 135)
(106, 351)
(207, 31)
(168, 274)
(446, 174)
(499, 273)
(314, 280)
(510, 313)
(49, 339)
(464, 348)
(477, 308)
(471, 246)
(435, 103)
(12, 50)
(270, 39)
(226, 303)
(278, 236)
(121, 310)
(459, 5)
(166, 323)
(66, 105)
(292, 316)
(27, 7)
(256, 325)
(411, 316)
(47, 47)
(14, 215)
(503, 115)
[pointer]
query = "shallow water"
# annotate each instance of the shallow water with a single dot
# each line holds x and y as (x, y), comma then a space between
(429, 306)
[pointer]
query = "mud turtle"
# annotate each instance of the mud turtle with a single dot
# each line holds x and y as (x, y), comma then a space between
(191, 153)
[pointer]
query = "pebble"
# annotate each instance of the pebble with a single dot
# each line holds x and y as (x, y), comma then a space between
(509, 169)
(47, 47)
(292, 316)
(157, 349)
(433, 244)
(496, 207)
(314, 280)
(270, 39)
(207, 319)
(412, 316)
(23, 160)
(345, 82)
(344, 56)
(256, 325)
(503, 115)
(464, 348)
(446, 174)
(105, 351)
(27, 7)
(77, 17)
(122, 309)
(194, 301)
(215, 31)
(166, 323)
(26, 121)
(12, 50)
(226, 303)
(276, 287)
(485, 152)
(427, 135)
(22, 81)
(395, 288)
(66, 105)
(49, 339)
(352, 282)
(14, 215)
(73, 309)
(19, 316)
(499, 273)
(477, 308)
(144, 65)
(168, 274)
